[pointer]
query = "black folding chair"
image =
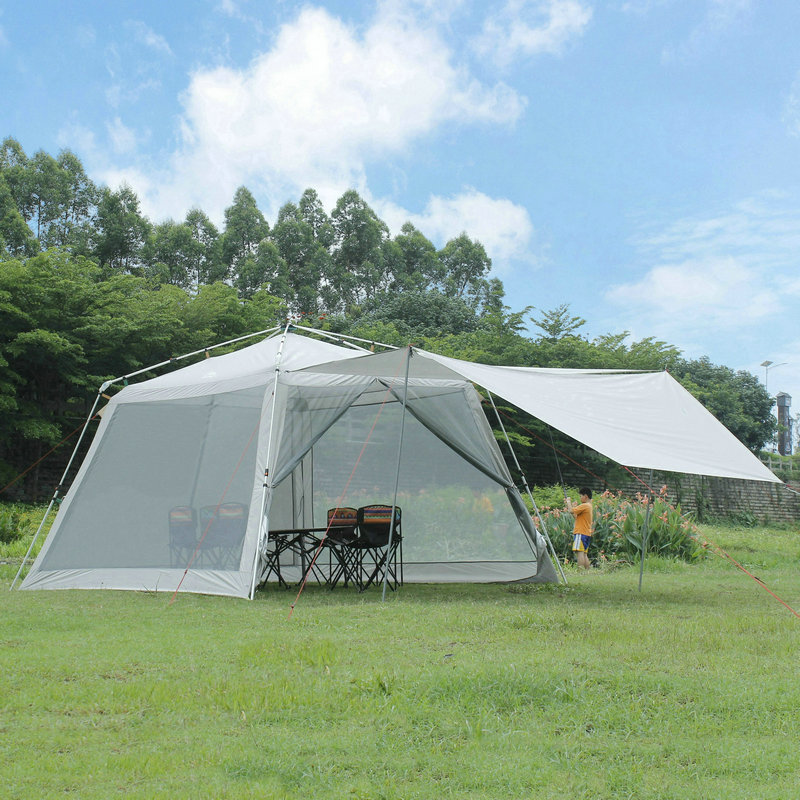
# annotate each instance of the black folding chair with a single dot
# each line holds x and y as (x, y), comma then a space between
(379, 541)
(182, 535)
(222, 530)
(342, 533)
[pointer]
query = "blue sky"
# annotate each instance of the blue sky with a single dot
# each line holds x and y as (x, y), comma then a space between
(637, 159)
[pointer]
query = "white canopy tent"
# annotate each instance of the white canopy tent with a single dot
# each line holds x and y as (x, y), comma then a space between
(292, 426)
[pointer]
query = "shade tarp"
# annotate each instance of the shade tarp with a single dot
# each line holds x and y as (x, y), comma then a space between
(639, 419)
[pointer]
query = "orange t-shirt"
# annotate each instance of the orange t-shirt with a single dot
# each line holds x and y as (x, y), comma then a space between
(583, 519)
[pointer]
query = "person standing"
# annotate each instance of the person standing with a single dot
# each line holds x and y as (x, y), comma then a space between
(582, 531)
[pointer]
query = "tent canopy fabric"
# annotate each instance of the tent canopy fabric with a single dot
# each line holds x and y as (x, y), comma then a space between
(275, 434)
(252, 442)
(639, 419)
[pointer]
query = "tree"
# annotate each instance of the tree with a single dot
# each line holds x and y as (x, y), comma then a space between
(311, 212)
(416, 314)
(168, 254)
(54, 196)
(465, 263)
(421, 266)
(206, 264)
(357, 270)
(304, 259)
(557, 323)
(79, 197)
(16, 238)
(15, 168)
(245, 227)
(120, 231)
(266, 269)
(48, 194)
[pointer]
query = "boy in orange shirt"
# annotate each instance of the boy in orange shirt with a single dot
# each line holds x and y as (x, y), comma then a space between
(582, 532)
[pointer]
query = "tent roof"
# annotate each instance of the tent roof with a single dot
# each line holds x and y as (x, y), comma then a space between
(250, 366)
(640, 419)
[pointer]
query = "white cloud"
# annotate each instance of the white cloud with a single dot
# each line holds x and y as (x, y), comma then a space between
(228, 7)
(722, 293)
(79, 138)
(145, 35)
(717, 276)
(791, 109)
(123, 139)
(531, 27)
(501, 226)
(437, 11)
(86, 36)
(718, 18)
(315, 109)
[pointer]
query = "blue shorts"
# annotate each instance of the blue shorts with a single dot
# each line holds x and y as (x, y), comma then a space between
(580, 544)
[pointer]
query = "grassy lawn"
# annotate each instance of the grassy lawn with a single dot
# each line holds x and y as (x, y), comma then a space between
(689, 689)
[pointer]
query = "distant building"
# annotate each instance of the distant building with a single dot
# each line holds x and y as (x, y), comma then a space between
(784, 423)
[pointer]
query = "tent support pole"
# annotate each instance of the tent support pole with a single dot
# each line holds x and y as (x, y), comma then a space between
(61, 482)
(528, 490)
(188, 355)
(342, 337)
(397, 473)
(646, 527)
(263, 531)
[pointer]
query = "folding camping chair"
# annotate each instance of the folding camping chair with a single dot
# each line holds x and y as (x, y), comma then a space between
(341, 535)
(182, 535)
(377, 552)
(222, 531)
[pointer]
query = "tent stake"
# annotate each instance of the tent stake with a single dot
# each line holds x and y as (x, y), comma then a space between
(528, 490)
(397, 473)
(646, 527)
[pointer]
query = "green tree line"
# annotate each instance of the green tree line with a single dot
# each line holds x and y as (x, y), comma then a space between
(91, 289)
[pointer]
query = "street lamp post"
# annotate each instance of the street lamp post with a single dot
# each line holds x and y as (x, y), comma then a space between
(768, 365)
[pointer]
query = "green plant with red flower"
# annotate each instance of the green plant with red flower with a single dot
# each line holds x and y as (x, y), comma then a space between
(619, 526)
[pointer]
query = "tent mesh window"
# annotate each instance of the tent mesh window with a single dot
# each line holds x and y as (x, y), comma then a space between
(157, 456)
(457, 519)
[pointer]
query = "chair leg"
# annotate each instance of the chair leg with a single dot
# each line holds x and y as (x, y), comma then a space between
(385, 562)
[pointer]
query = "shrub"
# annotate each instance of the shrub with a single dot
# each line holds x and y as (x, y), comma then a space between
(618, 525)
(10, 525)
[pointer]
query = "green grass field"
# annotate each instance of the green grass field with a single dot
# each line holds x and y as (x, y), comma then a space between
(686, 690)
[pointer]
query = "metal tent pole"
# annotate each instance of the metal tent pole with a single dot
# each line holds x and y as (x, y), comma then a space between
(61, 482)
(188, 355)
(343, 337)
(646, 527)
(263, 531)
(528, 490)
(397, 473)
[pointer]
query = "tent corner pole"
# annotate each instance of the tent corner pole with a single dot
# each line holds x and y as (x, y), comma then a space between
(397, 472)
(60, 483)
(33, 541)
(263, 530)
(528, 490)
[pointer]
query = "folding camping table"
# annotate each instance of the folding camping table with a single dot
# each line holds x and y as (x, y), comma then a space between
(305, 543)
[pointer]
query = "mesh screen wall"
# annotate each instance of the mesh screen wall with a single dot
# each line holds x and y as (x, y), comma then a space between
(156, 456)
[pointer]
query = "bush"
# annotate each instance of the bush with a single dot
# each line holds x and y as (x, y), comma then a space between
(10, 525)
(618, 525)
